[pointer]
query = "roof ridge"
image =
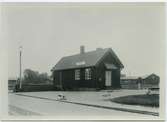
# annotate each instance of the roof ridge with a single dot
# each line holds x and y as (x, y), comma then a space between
(85, 52)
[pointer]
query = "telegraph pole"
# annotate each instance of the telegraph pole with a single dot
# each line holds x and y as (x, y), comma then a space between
(20, 51)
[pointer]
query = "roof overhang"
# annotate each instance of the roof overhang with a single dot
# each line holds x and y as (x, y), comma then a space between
(110, 66)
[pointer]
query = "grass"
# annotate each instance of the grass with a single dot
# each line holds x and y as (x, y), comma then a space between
(145, 100)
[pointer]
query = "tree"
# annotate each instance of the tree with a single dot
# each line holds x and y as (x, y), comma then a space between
(43, 76)
(34, 77)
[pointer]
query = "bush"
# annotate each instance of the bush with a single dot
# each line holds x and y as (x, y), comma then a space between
(32, 88)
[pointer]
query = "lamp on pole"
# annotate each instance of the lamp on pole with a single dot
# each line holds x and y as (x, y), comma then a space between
(20, 54)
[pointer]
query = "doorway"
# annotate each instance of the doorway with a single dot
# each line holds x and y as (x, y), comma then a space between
(108, 77)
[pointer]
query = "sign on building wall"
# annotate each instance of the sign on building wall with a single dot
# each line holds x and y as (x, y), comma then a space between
(80, 63)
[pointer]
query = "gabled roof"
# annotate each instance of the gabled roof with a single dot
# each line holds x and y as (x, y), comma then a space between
(86, 59)
(146, 76)
(137, 77)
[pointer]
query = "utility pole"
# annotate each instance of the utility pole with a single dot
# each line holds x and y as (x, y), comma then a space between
(20, 51)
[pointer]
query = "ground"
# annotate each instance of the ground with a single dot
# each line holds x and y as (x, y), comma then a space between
(77, 103)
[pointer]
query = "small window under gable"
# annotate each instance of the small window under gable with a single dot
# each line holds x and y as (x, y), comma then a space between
(88, 74)
(77, 74)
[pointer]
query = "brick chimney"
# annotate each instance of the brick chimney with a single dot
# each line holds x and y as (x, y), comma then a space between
(82, 49)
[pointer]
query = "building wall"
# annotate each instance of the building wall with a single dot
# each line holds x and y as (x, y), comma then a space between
(56, 79)
(153, 79)
(98, 76)
(100, 72)
(67, 80)
(116, 78)
(149, 82)
(129, 84)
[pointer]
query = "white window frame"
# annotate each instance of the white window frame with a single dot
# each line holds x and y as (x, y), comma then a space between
(88, 74)
(77, 74)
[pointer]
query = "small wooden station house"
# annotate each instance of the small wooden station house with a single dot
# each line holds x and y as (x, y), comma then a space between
(98, 69)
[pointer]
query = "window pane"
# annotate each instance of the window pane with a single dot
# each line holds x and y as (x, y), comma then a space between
(77, 74)
(88, 73)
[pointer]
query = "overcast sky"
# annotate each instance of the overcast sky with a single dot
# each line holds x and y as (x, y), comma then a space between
(47, 32)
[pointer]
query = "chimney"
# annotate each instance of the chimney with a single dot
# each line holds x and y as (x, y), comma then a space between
(82, 49)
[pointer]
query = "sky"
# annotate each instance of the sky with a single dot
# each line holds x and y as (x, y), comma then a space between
(47, 32)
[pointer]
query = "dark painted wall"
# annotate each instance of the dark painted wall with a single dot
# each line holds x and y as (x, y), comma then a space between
(67, 79)
(116, 78)
(100, 72)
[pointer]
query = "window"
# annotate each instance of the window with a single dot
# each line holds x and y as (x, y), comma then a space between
(88, 73)
(77, 74)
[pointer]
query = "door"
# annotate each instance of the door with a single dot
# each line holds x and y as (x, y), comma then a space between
(108, 78)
